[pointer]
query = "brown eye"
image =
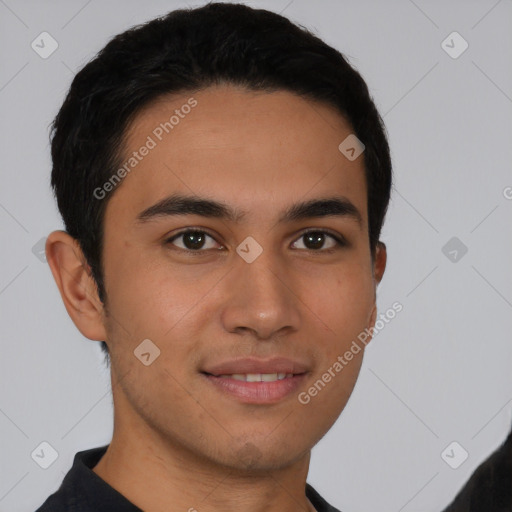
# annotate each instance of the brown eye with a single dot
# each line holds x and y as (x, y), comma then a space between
(192, 240)
(315, 241)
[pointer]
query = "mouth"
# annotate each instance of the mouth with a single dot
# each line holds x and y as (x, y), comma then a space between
(254, 380)
(256, 388)
(255, 377)
(273, 368)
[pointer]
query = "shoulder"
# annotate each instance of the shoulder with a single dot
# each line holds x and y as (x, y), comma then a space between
(60, 501)
(489, 487)
(78, 485)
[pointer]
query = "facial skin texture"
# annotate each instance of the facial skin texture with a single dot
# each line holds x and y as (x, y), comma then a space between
(178, 442)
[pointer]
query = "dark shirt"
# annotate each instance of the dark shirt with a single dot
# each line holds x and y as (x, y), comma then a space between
(82, 490)
(490, 487)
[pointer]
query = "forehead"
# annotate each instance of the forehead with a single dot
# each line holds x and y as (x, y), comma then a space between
(254, 150)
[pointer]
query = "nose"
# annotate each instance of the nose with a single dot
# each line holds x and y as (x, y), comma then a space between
(260, 298)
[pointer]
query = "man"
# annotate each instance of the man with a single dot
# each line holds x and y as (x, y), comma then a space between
(223, 176)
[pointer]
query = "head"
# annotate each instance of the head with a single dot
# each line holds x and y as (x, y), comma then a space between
(236, 115)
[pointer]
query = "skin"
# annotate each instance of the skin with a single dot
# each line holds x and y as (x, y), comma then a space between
(179, 443)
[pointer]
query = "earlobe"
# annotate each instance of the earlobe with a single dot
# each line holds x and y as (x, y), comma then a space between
(76, 286)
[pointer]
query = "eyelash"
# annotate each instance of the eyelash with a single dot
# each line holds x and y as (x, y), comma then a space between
(340, 240)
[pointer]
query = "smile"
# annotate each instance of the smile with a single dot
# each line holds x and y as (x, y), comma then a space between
(256, 388)
(257, 377)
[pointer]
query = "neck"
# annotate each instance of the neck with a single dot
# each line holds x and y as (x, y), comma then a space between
(159, 474)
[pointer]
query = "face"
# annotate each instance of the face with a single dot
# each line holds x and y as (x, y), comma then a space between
(260, 287)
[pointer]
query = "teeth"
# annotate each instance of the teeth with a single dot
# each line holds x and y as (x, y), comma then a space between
(257, 377)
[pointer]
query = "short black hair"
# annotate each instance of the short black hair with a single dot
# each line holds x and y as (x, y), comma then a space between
(185, 51)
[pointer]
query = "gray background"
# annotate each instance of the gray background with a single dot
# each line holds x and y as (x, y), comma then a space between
(439, 372)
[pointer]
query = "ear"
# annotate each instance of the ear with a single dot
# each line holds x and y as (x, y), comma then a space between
(379, 266)
(379, 263)
(76, 284)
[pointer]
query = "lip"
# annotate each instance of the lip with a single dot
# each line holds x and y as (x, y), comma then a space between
(257, 392)
(256, 365)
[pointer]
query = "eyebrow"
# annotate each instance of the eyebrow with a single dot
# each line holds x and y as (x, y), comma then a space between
(177, 204)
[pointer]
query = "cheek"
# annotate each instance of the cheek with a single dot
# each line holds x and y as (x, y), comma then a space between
(148, 296)
(342, 301)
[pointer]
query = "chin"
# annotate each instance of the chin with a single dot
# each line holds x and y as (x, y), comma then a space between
(264, 455)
